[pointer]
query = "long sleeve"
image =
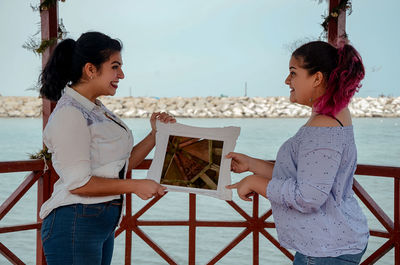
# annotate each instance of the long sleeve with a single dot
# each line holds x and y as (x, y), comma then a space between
(68, 139)
(309, 189)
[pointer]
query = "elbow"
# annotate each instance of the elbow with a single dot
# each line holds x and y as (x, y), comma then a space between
(77, 191)
(308, 209)
(83, 188)
(309, 205)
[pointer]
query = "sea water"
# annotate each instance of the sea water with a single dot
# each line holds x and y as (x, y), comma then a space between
(378, 143)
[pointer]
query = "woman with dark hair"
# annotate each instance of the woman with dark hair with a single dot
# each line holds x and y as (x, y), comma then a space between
(310, 184)
(91, 152)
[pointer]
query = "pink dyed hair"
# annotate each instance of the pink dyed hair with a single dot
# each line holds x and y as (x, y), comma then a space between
(342, 67)
(344, 82)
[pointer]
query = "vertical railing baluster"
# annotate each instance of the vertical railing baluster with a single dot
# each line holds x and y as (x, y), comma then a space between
(397, 221)
(42, 196)
(192, 229)
(256, 231)
(128, 231)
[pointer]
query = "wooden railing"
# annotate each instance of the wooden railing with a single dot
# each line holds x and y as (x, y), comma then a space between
(254, 224)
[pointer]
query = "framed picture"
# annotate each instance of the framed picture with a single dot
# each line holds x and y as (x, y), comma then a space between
(192, 159)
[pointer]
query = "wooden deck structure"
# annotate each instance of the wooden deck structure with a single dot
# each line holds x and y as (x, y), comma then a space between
(254, 224)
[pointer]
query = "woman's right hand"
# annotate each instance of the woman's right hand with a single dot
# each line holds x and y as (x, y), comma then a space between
(147, 188)
(240, 162)
(161, 116)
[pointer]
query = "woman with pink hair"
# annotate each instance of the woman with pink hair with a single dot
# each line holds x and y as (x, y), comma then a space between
(310, 184)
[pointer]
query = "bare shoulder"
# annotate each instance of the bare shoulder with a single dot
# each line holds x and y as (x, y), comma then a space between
(323, 121)
(343, 117)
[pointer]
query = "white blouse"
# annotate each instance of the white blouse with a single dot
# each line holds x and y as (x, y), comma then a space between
(85, 139)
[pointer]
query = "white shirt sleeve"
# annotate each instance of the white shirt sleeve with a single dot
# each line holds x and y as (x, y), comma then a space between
(68, 138)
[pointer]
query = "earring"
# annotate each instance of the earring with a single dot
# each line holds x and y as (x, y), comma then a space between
(91, 77)
(310, 99)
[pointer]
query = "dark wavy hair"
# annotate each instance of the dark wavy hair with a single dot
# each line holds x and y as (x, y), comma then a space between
(68, 59)
(342, 69)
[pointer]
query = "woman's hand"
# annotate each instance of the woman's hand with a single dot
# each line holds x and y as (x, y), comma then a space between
(240, 162)
(147, 188)
(243, 189)
(161, 116)
(143, 148)
(250, 185)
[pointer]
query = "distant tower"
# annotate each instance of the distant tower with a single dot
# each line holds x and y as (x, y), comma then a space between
(130, 91)
(245, 89)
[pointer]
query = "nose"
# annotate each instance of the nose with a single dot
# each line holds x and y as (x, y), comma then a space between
(121, 74)
(287, 80)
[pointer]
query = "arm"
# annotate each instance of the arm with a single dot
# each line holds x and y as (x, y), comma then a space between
(242, 163)
(316, 172)
(261, 167)
(254, 183)
(142, 149)
(98, 186)
(69, 138)
(249, 185)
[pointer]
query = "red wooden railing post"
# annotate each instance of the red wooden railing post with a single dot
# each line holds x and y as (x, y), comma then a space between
(397, 221)
(42, 196)
(128, 232)
(256, 231)
(49, 30)
(192, 229)
(336, 26)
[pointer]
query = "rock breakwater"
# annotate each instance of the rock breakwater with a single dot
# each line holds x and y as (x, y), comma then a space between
(208, 107)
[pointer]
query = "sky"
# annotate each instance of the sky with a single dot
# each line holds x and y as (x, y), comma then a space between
(204, 48)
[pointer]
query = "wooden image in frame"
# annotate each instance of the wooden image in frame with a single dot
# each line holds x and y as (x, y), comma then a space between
(192, 159)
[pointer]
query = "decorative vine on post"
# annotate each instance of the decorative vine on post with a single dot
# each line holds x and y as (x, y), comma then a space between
(39, 47)
(343, 6)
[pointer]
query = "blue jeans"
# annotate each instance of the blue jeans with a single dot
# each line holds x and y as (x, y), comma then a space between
(81, 233)
(349, 259)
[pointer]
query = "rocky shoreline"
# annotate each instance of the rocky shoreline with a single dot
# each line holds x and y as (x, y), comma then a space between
(208, 107)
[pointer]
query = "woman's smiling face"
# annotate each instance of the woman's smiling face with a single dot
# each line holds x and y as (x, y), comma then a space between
(109, 75)
(301, 83)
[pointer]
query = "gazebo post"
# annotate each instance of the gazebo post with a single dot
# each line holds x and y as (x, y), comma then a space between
(49, 30)
(336, 26)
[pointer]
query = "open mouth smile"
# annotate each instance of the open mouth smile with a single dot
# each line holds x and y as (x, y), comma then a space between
(114, 84)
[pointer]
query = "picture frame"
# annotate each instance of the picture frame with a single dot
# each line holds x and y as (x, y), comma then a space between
(192, 159)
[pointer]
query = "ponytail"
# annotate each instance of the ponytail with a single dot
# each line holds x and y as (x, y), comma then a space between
(342, 69)
(57, 72)
(343, 83)
(68, 59)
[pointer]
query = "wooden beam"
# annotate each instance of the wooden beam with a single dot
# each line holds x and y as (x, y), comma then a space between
(336, 26)
(21, 166)
(49, 30)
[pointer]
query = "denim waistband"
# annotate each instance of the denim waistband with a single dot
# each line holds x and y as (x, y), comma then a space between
(115, 202)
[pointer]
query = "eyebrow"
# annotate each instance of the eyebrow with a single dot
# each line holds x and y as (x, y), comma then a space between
(117, 62)
(292, 67)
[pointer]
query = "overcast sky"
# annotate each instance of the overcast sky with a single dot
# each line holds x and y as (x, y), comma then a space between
(204, 48)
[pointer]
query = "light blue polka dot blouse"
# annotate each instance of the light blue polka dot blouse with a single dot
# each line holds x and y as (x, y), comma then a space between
(311, 194)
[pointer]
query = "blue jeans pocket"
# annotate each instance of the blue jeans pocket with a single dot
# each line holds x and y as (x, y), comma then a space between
(93, 210)
(47, 226)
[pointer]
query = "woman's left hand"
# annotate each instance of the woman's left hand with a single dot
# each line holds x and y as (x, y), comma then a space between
(250, 185)
(243, 188)
(161, 116)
